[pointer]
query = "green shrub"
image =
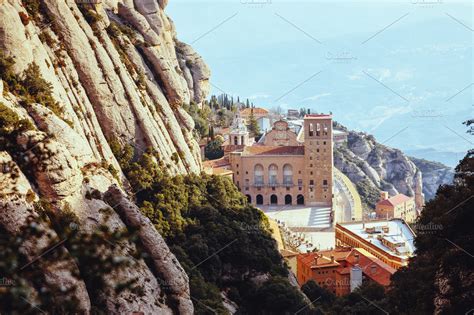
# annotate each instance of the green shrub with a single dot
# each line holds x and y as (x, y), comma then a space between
(10, 122)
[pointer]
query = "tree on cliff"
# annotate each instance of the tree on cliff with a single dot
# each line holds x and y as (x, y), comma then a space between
(440, 278)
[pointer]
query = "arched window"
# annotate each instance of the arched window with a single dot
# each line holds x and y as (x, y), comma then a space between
(273, 199)
(288, 200)
(273, 174)
(300, 200)
(249, 198)
(236, 140)
(259, 200)
(258, 175)
(287, 174)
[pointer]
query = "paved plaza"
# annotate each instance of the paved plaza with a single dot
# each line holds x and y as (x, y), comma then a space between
(313, 223)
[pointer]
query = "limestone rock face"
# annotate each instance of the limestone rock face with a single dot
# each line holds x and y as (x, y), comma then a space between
(385, 168)
(118, 73)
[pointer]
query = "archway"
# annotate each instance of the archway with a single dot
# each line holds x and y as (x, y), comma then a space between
(259, 200)
(249, 198)
(273, 199)
(288, 200)
(300, 199)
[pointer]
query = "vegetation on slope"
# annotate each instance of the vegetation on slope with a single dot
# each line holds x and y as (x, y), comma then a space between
(30, 86)
(222, 242)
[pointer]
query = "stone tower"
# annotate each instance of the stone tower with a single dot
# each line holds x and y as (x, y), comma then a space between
(239, 134)
(318, 159)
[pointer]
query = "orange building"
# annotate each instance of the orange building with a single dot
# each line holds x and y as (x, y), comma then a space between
(342, 270)
(398, 206)
(391, 241)
(289, 174)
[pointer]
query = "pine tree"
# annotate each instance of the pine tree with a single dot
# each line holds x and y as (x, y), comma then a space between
(253, 124)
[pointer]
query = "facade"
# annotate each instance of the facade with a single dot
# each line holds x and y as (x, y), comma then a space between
(342, 270)
(281, 135)
(398, 206)
(264, 124)
(299, 174)
(391, 241)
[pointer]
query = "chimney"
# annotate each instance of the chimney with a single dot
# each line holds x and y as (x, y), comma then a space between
(332, 259)
(383, 195)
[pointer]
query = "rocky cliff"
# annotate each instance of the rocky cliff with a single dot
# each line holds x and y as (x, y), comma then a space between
(374, 167)
(77, 76)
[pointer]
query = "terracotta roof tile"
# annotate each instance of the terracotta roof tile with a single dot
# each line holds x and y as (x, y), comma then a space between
(256, 111)
(273, 150)
(394, 201)
(223, 161)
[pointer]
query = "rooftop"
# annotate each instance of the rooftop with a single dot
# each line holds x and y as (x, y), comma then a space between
(273, 150)
(398, 233)
(223, 161)
(346, 258)
(318, 116)
(256, 111)
(395, 200)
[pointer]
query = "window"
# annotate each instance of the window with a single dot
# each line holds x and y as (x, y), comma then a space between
(258, 175)
(287, 174)
(325, 182)
(311, 130)
(300, 182)
(311, 182)
(272, 174)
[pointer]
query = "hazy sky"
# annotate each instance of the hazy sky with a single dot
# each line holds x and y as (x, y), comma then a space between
(400, 70)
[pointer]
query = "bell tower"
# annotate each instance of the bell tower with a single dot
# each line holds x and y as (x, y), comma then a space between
(318, 159)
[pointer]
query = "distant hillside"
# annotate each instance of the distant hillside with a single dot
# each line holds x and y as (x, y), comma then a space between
(374, 167)
(434, 175)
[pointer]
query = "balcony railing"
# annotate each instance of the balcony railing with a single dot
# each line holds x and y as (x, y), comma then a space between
(270, 185)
